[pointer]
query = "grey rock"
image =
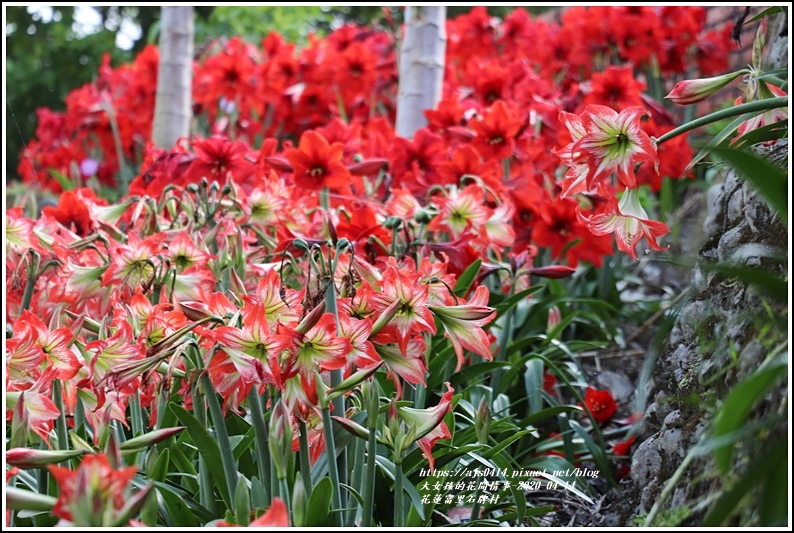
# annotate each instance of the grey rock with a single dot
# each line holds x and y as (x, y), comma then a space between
(732, 240)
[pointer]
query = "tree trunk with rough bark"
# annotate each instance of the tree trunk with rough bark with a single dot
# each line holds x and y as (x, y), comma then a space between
(172, 110)
(421, 66)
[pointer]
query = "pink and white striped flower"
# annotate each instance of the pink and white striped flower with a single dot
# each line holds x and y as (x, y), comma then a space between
(613, 142)
(628, 221)
(463, 325)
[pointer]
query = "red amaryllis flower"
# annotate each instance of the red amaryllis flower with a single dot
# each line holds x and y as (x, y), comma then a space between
(549, 382)
(318, 164)
(72, 212)
(94, 494)
(496, 132)
(415, 163)
(623, 448)
(616, 88)
(446, 115)
(276, 516)
(600, 404)
(217, 158)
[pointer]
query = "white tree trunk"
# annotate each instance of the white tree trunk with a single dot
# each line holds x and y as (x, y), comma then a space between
(172, 110)
(421, 66)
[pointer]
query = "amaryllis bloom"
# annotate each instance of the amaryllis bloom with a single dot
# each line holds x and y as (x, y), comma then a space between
(95, 493)
(72, 212)
(217, 158)
(615, 87)
(575, 180)
(496, 132)
(429, 423)
(32, 410)
(692, 91)
(415, 163)
(765, 90)
(320, 348)
(600, 404)
(408, 363)
(614, 142)
(412, 315)
(318, 164)
(463, 325)
(628, 221)
(276, 516)
(623, 448)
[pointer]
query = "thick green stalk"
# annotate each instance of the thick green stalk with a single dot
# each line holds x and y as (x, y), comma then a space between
(285, 495)
(399, 516)
(60, 423)
(356, 479)
(42, 476)
(305, 462)
(503, 344)
(206, 497)
(136, 414)
(336, 379)
(759, 105)
(475, 508)
(224, 444)
(79, 414)
(27, 296)
(260, 430)
(368, 492)
(330, 449)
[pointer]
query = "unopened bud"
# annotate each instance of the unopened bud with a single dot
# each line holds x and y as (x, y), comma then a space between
(692, 91)
(482, 422)
(280, 438)
(27, 458)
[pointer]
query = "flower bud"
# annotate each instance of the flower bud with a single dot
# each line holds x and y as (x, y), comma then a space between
(148, 439)
(482, 422)
(553, 271)
(555, 317)
(368, 166)
(393, 223)
(692, 91)
(280, 438)
(27, 458)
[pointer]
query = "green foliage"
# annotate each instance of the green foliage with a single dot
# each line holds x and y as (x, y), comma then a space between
(253, 23)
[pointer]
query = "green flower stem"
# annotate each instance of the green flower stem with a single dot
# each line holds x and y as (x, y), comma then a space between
(368, 490)
(760, 105)
(136, 414)
(475, 508)
(42, 476)
(501, 355)
(162, 405)
(27, 296)
(206, 497)
(79, 414)
(224, 444)
(305, 462)
(260, 430)
(356, 479)
(399, 516)
(284, 489)
(60, 423)
(336, 379)
(330, 449)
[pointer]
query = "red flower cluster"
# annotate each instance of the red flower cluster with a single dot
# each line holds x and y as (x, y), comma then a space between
(498, 119)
